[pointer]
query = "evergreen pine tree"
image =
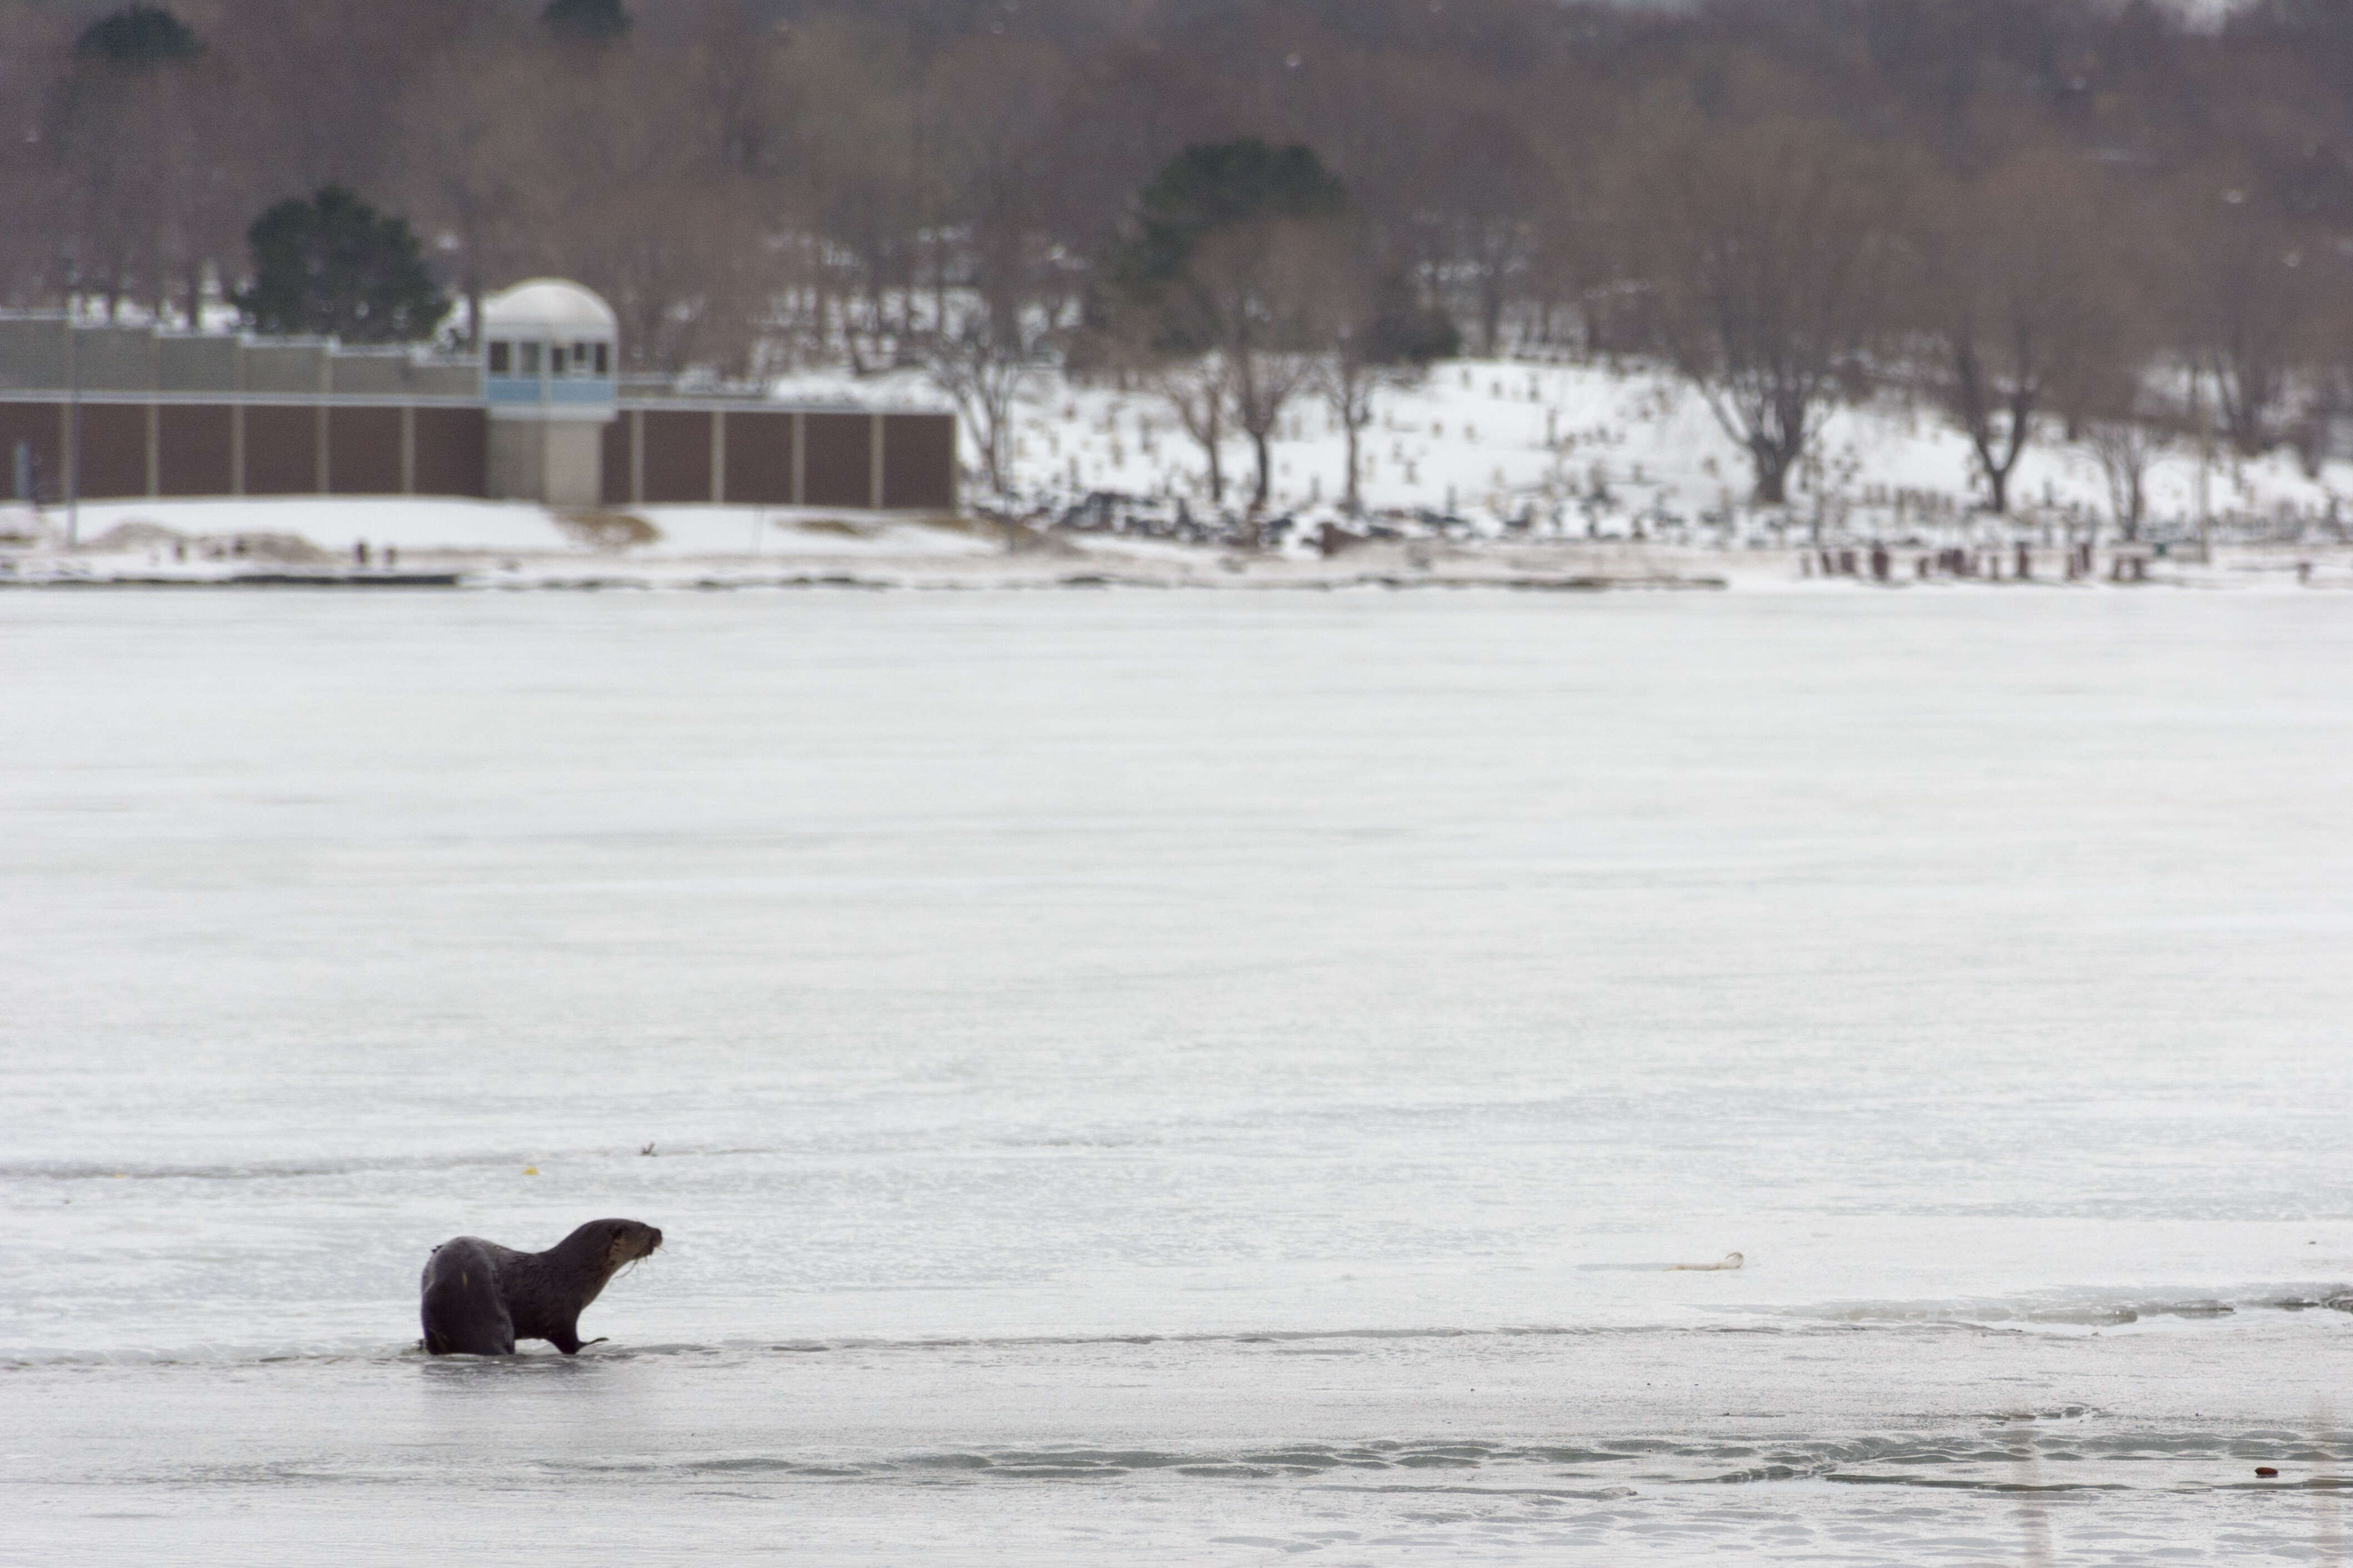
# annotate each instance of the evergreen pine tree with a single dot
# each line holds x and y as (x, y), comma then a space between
(589, 21)
(1208, 189)
(139, 35)
(1221, 184)
(333, 264)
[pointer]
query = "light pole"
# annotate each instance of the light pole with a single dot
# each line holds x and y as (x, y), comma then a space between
(73, 431)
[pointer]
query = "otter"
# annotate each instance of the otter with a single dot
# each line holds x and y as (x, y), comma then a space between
(479, 1298)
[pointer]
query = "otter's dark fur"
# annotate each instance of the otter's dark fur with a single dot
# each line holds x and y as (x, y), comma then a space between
(480, 1297)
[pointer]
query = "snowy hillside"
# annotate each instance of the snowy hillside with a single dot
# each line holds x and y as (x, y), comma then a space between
(1620, 449)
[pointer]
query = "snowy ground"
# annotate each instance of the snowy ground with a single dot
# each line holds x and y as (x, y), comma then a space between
(1622, 449)
(442, 528)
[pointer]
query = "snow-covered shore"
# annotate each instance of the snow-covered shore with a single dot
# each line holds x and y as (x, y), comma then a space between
(476, 544)
(1488, 473)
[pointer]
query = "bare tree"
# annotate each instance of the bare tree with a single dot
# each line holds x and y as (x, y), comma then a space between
(1769, 248)
(1255, 287)
(2127, 445)
(2250, 286)
(321, 80)
(32, 46)
(618, 180)
(1230, 250)
(995, 99)
(2018, 294)
(128, 141)
(1382, 337)
(986, 371)
(1350, 380)
(1196, 391)
(1575, 251)
(1483, 194)
(869, 185)
(464, 139)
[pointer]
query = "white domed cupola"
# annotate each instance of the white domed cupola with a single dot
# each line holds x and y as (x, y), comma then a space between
(546, 344)
(550, 352)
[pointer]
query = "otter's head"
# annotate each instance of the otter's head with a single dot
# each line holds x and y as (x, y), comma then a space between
(618, 1243)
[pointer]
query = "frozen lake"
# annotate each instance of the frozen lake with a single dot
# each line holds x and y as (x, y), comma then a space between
(1185, 1077)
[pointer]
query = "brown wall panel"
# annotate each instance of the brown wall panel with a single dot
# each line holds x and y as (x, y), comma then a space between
(919, 460)
(195, 449)
(838, 469)
(41, 425)
(282, 449)
(613, 460)
(677, 455)
(114, 450)
(759, 458)
(363, 451)
(452, 452)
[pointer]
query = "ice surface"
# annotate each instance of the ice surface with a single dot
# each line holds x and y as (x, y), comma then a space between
(1182, 1077)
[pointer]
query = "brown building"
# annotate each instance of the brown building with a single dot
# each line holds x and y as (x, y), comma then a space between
(99, 413)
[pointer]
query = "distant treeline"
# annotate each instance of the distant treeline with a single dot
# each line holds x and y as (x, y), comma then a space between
(2088, 211)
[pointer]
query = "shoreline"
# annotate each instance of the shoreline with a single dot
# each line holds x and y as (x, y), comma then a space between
(419, 544)
(1055, 561)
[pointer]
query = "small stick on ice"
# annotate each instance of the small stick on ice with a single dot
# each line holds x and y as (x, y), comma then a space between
(1731, 1260)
